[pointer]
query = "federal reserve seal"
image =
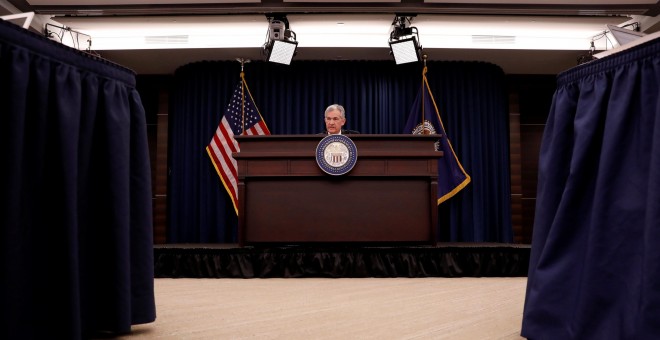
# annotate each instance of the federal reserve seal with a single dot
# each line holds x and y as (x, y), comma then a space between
(425, 128)
(336, 154)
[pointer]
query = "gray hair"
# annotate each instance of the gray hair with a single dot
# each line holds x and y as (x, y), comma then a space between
(334, 107)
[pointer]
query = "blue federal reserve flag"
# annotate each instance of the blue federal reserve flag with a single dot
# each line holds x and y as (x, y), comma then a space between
(424, 118)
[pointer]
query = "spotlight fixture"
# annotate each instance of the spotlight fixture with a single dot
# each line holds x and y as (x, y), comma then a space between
(624, 36)
(281, 44)
(25, 17)
(404, 41)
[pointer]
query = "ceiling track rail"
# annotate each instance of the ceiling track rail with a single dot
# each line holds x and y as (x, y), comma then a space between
(327, 8)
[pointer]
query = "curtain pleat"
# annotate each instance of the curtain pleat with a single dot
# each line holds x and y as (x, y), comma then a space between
(595, 264)
(378, 96)
(77, 244)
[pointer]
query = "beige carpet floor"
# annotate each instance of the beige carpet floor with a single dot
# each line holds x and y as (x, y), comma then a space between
(317, 308)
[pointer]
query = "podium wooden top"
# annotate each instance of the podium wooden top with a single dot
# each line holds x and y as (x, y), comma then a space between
(368, 145)
(317, 137)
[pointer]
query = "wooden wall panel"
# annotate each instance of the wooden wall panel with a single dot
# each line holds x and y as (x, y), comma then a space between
(154, 92)
(533, 96)
(515, 168)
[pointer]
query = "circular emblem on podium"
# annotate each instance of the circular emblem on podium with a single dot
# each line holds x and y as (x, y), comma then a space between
(336, 154)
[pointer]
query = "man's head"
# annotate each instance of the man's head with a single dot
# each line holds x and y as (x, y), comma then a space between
(335, 118)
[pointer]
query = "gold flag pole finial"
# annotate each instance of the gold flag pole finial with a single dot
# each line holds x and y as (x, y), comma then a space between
(424, 58)
(243, 62)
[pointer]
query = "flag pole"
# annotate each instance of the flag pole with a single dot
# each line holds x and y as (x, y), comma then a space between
(424, 57)
(242, 61)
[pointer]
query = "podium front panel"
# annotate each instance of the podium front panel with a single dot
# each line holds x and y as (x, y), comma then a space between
(388, 197)
(337, 210)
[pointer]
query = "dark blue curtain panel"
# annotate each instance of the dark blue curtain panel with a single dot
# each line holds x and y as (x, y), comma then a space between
(595, 258)
(76, 215)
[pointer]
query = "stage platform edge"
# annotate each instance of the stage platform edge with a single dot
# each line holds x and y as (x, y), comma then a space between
(341, 260)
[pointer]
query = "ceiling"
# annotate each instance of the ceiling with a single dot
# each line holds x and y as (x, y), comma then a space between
(521, 36)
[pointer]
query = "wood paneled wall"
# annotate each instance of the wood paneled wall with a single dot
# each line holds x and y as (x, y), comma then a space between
(530, 98)
(155, 92)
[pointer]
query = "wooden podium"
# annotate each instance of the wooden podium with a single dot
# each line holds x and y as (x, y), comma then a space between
(388, 197)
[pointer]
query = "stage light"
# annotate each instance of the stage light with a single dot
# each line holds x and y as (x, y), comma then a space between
(404, 41)
(280, 47)
(24, 18)
(622, 36)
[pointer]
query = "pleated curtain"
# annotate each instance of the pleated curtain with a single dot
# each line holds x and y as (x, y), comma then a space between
(595, 262)
(76, 218)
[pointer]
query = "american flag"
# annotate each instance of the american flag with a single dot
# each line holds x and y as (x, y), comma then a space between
(241, 118)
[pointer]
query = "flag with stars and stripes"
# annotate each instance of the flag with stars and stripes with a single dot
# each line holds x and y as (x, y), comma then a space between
(241, 118)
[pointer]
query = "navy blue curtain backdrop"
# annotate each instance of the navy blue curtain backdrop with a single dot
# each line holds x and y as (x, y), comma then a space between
(378, 96)
(76, 218)
(594, 270)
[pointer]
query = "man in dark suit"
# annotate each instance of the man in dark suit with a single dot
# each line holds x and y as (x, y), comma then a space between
(335, 118)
